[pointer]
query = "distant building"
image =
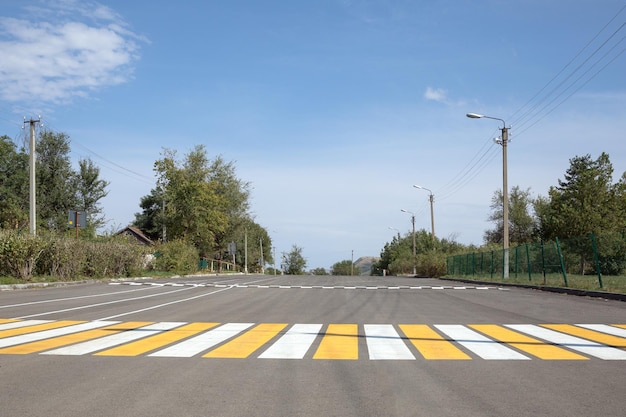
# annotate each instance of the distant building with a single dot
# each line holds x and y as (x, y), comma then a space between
(135, 234)
(363, 265)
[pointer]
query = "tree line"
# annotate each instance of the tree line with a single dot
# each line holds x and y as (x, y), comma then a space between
(587, 200)
(60, 187)
(198, 208)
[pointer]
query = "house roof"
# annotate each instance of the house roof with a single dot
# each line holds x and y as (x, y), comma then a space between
(137, 234)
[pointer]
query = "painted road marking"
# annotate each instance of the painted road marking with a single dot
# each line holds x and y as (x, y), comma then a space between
(203, 341)
(525, 343)
(482, 346)
(341, 341)
(383, 342)
(338, 341)
(571, 342)
(244, 345)
(94, 345)
(430, 343)
(295, 343)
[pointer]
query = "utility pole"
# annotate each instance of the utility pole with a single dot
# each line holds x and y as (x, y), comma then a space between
(262, 261)
(245, 251)
(31, 160)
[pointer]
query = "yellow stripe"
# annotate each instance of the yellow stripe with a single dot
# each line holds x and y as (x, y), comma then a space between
(623, 326)
(340, 342)
(527, 344)
(69, 339)
(37, 328)
(430, 344)
(153, 342)
(606, 339)
(244, 345)
(7, 320)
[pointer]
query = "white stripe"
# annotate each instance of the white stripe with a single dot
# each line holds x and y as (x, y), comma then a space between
(383, 342)
(23, 323)
(294, 344)
(479, 344)
(571, 342)
(203, 341)
(46, 334)
(615, 331)
(114, 339)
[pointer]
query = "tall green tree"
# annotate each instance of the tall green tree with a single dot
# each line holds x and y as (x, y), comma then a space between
(294, 262)
(234, 195)
(585, 201)
(151, 218)
(192, 204)
(14, 203)
(90, 189)
(55, 181)
(521, 221)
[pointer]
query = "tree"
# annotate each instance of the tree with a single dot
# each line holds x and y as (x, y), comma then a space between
(345, 267)
(150, 219)
(55, 180)
(521, 222)
(234, 203)
(257, 238)
(13, 186)
(192, 211)
(293, 261)
(319, 271)
(90, 189)
(586, 201)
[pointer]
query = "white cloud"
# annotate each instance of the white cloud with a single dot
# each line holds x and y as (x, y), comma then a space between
(65, 56)
(435, 94)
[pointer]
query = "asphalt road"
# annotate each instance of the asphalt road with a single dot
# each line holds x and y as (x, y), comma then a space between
(309, 346)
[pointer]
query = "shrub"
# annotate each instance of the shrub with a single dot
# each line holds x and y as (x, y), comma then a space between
(176, 256)
(19, 254)
(431, 264)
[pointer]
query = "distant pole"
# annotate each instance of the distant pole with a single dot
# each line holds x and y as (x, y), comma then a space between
(414, 249)
(262, 262)
(245, 251)
(33, 203)
(352, 265)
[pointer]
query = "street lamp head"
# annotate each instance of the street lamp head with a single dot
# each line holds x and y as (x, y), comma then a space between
(474, 115)
(418, 186)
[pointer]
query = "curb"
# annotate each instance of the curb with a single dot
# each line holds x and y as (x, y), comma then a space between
(559, 290)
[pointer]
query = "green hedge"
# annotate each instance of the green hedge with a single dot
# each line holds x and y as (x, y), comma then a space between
(24, 256)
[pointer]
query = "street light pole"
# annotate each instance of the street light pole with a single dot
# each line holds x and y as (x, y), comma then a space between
(432, 215)
(393, 228)
(505, 187)
(414, 252)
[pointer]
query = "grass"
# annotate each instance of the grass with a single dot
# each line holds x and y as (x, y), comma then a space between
(614, 284)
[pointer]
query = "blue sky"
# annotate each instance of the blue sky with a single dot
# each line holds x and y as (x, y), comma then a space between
(331, 109)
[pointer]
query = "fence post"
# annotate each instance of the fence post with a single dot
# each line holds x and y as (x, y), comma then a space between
(543, 262)
(516, 260)
(558, 248)
(492, 266)
(528, 261)
(595, 257)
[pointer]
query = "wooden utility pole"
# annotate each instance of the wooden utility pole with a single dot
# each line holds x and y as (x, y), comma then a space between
(33, 205)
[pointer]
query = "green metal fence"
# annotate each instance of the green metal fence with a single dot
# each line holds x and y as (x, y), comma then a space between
(585, 262)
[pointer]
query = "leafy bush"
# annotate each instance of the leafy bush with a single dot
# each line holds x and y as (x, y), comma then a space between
(58, 257)
(176, 256)
(19, 254)
(431, 264)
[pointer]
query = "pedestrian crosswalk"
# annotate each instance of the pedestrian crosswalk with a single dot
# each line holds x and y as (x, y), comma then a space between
(335, 341)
